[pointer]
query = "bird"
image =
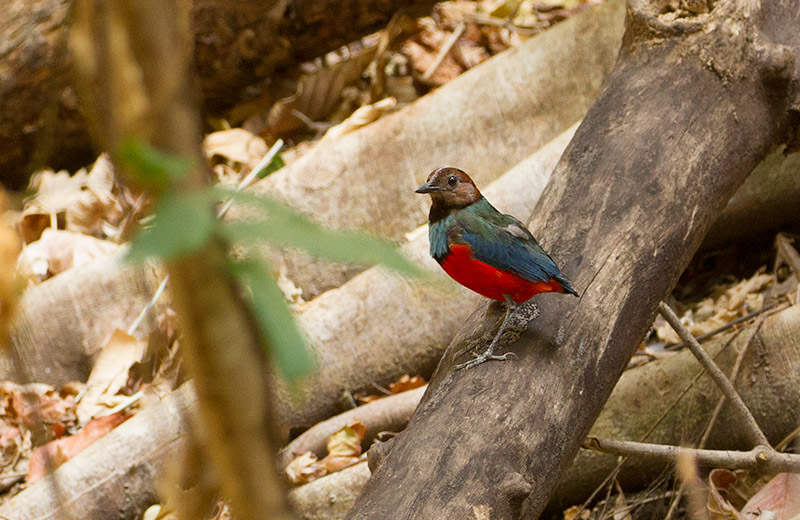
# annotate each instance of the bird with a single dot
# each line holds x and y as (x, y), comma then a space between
(489, 252)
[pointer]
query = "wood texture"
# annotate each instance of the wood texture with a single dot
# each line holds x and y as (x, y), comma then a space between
(628, 204)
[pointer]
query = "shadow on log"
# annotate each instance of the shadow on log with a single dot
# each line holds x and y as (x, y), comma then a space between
(692, 106)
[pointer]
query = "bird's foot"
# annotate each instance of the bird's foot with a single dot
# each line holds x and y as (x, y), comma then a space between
(469, 347)
(521, 315)
(482, 358)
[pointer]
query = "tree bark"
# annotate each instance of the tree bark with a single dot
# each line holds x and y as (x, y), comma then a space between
(237, 43)
(629, 203)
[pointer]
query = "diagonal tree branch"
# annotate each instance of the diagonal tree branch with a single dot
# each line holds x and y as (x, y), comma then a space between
(756, 435)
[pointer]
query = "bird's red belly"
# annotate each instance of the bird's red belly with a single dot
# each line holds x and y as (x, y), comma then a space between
(489, 281)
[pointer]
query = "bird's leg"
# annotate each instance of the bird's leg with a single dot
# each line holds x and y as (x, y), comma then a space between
(488, 353)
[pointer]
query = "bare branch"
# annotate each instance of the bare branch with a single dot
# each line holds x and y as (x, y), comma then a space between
(756, 435)
(761, 459)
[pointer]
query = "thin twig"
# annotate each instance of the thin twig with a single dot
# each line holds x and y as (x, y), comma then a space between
(756, 435)
(445, 50)
(673, 506)
(653, 427)
(708, 335)
(250, 177)
(761, 458)
(153, 300)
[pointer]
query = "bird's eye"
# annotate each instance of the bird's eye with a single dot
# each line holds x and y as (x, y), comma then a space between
(452, 180)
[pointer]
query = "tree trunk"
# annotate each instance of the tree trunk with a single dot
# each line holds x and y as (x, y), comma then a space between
(693, 105)
(237, 43)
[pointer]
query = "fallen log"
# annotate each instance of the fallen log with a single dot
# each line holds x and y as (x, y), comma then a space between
(628, 205)
(116, 476)
(331, 497)
(769, 382)
(64, 322)
(390, 413)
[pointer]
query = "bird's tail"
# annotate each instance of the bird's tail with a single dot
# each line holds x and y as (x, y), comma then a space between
(565, 284)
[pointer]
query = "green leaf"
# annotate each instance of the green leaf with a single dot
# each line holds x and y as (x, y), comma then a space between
(182, 224)
(274, 319)
(153, 167)
(286, 227)
(276, 164)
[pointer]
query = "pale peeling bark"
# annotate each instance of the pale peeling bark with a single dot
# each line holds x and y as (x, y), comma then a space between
(629, 203)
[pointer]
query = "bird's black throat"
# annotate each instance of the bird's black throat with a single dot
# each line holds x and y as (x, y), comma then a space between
(440, 210)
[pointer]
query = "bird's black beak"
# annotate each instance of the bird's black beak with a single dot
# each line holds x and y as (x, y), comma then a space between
(428, 188)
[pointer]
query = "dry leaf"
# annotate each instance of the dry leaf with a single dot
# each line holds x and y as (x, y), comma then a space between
(720, 485)
(406, 382)
(28, 405)
(347, 441)
(110, 373)
(571, 513)
(58, 250)
(318, 91)
(304, 468)
(726, 304)
(236, 145)
(81, 202)
(360, 118)
(57, 452)
(96, 202)
(780, 496)
(344, 447)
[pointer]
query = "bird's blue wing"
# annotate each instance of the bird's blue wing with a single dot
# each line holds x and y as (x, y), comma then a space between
(504, 242)
(509, 253)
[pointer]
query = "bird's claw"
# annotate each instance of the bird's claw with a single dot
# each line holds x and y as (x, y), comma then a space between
(482, 358)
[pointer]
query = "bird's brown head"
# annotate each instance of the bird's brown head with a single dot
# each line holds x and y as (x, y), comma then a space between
(450, 188)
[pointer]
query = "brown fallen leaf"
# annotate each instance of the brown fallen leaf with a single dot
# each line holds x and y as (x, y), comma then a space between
(344, 449)
(721, 484)
(780, 496)
(110, 374)
(304, 468)
(58, 250)
(236, 145)
(406, 382)
(28, 405)
(80, 202)
(57, 452)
